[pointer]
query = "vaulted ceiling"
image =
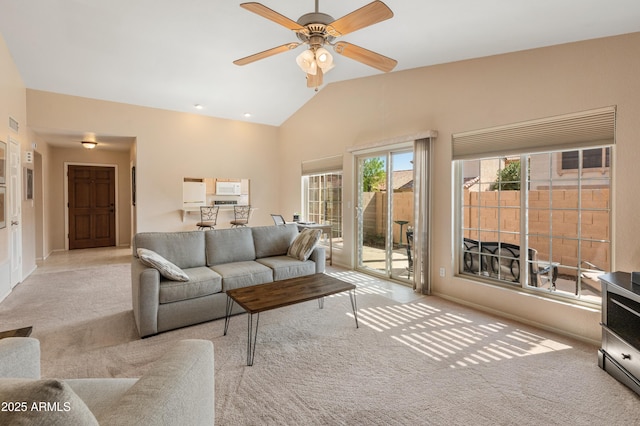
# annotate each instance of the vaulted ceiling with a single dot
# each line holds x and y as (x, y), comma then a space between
(176, 54)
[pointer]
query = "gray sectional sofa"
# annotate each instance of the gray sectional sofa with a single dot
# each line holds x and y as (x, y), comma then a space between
(214, 261)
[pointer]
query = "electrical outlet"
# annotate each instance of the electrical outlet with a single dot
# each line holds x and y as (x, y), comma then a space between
(442, 272)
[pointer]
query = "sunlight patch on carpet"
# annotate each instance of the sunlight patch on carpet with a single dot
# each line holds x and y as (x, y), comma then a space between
(449, 337)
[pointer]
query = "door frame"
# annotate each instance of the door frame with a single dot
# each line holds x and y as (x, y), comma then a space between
(385, 150)
(66, 197)
(13, 214)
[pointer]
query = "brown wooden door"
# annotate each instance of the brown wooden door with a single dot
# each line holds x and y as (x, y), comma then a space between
(92, 216)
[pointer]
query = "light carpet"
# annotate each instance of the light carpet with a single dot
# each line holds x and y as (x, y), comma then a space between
(425, 362)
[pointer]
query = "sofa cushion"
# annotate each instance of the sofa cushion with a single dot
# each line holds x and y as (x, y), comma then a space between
(43, 402)
(178, 389)
(304, 243)
(243, 274)
(166, 268)
(100, 395)
(202, 282)
(229, 245)
(273, 240)
(285, 267)
(19, 357)
(184, 249)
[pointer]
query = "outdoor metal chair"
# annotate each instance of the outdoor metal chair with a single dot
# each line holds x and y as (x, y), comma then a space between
(409, 253)
(505, 264)
(471, 256)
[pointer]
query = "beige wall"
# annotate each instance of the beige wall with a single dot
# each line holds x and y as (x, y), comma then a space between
(170, 146)
(470, 95)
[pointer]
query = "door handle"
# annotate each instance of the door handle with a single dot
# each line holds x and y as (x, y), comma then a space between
(14, 223)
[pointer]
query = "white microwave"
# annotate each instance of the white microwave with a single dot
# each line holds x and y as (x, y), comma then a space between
(228, 188)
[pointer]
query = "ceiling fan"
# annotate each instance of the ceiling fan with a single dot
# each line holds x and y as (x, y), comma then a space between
(318, 29)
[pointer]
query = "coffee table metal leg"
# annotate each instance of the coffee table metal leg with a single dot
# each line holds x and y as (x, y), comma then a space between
(251, 340)
(354, 305)
(227, 314)
(321, 302)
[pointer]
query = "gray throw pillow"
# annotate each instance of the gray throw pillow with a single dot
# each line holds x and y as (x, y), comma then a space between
(166, 268)
(47, 402)
(304, 244)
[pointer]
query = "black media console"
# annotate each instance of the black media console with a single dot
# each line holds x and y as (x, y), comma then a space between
(620, 352)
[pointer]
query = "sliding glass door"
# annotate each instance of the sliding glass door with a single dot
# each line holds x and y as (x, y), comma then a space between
(385, 214)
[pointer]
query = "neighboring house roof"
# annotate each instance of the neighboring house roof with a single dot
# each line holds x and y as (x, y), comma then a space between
(402, 181)
(469, 182)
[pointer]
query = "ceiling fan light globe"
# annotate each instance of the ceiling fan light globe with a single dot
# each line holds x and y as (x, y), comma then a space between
(324, 59)
(326, 68)
(323, 56)
(306, 61)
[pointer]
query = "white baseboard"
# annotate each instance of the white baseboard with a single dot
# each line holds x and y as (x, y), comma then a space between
(30, 272)
(517, 318)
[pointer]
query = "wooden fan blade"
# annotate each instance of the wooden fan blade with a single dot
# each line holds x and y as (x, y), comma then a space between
(272, 15)
(365, 56)
(367, 15)
(266, 53)
(315, 81)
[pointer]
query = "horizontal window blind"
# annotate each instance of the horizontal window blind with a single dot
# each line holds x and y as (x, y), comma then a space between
(583, 129)
(322, 165)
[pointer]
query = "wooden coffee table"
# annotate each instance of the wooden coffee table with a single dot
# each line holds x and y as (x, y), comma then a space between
(18, 332)
(264, 297)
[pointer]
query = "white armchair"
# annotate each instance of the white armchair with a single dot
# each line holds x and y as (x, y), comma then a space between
(178, 389)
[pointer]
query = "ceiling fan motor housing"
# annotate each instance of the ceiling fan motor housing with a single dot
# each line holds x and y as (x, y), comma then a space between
(315, 23)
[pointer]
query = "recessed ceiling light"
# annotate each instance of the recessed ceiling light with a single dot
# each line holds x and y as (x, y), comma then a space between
(198, 106)
(247, 114)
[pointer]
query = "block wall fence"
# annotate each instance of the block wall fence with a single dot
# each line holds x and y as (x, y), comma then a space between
(594, 220)
(375, 213)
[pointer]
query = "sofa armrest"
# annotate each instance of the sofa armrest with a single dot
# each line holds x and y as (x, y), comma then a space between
(319, 257)
(178, 389)
(145, 297)
(20, 358)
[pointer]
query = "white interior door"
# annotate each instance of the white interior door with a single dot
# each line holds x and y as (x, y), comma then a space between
(15, 211)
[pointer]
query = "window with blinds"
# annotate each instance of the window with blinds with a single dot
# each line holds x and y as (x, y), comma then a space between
(534, 204)
(585, 129)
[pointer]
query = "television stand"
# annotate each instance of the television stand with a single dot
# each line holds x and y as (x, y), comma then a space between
(620, 352)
